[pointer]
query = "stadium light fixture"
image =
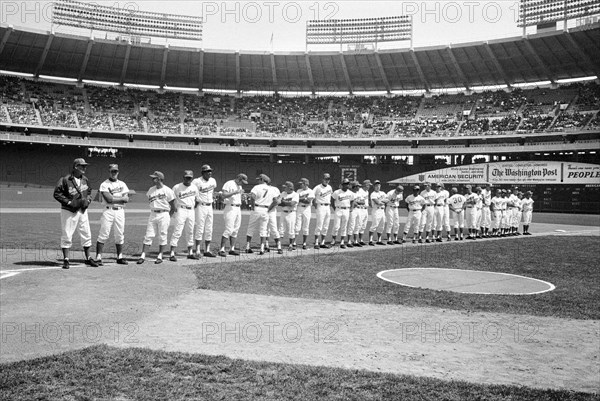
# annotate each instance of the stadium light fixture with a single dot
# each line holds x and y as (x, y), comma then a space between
(545, 13)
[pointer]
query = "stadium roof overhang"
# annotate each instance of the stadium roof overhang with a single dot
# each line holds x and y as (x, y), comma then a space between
(550, 57)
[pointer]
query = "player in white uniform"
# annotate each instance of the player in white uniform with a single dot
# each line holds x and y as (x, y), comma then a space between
(478, 212)
(378, 202)
(162, 207)
(486, 216)
(457, 204)
(304, 211)
(114, 194)
(427, 216)
(505, 216)
(204, 211)
(496, 212)
(289, 205)
(362, 203)
(322, 204)
(342, 202)
(511, 211)
(414, 204)
(470, 211)
(518, 214)
(353, 218)
(439, 213)
(186, 199)
(392, 217)
(266, 198)
(232, 214)
(527, 204)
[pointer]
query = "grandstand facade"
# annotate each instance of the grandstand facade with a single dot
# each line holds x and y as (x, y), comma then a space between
(45, 123)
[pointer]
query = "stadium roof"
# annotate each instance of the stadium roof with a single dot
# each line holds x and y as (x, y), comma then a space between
(547, 56)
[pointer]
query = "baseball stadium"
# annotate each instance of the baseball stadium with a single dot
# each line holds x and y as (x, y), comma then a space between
(341, 205)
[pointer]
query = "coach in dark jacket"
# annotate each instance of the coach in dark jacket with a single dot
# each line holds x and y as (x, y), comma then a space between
(74, 194)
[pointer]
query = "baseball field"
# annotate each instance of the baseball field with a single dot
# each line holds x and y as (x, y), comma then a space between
(302, 325)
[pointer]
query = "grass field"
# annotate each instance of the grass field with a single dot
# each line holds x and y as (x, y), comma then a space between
(103, 372)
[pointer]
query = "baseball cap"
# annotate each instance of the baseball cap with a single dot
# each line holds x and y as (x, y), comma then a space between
(243, 178)
(113, 167)
(528, 193)
(400, 187)
(205, 167)
(367, 182)
(468, 186)
(355, 184)
(288, 184)
(440, 184)
(477, 188)
(188, 173)
(426, 184)
(326, 176)
(158, 174)
(304, 181)
(345, 181)
(454, 189)
(264, 177)
(417, 187)
(377, 182)
(79, 162)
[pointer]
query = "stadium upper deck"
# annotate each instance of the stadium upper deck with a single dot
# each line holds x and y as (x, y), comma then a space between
(549, 56)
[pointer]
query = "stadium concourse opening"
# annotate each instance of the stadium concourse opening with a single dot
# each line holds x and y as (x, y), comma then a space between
(466, 281)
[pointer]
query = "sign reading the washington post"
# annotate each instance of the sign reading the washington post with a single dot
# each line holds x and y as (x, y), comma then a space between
(524, 172)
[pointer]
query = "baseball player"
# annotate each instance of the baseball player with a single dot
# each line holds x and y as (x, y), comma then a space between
(505, 214)
(471, 212)
(527, 204)
(362, 203)
(415, 204)
(204, 211)
(496, 213)
(354, 217)
(342, 201)
(264, 215)
(478, 212)
(232, 214)
(440, 216)
(74, 194)
(114, 194)
(322, 204)
(518, 213)
(486, 216)
(511, 210)
(162, 207)
(289, 204)
(427, 216)
(304, 211)
(378, 201)
(457, 204)
(186, 199)
(392, 217)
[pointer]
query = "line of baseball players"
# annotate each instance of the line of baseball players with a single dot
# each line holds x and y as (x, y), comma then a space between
(190, 205)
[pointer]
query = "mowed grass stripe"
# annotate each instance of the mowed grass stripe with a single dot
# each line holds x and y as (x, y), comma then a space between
(570, 263)
(102, 372)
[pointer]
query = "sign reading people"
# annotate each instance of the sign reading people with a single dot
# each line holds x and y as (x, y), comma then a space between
(523, 172)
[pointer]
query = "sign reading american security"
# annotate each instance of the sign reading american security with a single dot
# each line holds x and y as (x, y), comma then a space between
(527, 172)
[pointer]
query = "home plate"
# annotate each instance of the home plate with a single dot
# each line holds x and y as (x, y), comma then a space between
(466, 281)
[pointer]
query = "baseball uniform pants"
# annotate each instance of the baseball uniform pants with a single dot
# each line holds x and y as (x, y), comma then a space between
(497, 221)
(517, 216)
(303, 215)
(233, 220)
(340, 222)
(377, 220)
(157, 222)
(412, 221)
(110, 218)
(392, 219)
(71, 222)
(486, 217)
(438, 217)
(323, 218)
(478, 217)
(505, 219)
(527, 217)
(287, 226)
(471, 217)
(184, 219)
(362, 220)
(354, 221)
(457, 219)
(426, 222)
(204, 223)
(446, 218)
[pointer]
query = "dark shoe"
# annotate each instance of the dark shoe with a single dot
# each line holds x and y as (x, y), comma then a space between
(304, 247)
(390, 243)
(158, 261)
(325, 246)
(210, 255)
(280, 251)
(343, 246)
(261, 253)
(371, 243)
(66, 264)
(267, 249)
(427, 241)
(414, 241)
(420, 240)
(398, 242)
(362, 243)
(99, 262)
(173, 258)
(403, 241)
(140, 261)
(438, 240)
(91, 262)
(380, 243)
(358, 245)
(249, 250)
(122, 261)
(234, 253)
(193, 257)
(350, 245)
(222, 254)
(449, 239)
